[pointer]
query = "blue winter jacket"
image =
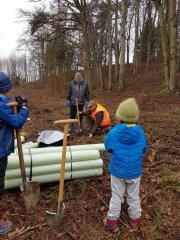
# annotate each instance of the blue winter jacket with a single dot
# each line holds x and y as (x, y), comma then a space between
(8, 122)
(127, 144)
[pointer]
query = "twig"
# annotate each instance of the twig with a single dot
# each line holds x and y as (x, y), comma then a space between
(155, 164)
(149, 192)
(99, 196)
(164, 230)
(30, 228)
(160, 162)
(124, 224)
(165, 236)
(79, 225)
(14, 214)
(71, 236)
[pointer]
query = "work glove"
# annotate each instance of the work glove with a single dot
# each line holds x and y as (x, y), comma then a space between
(86, 103)
(22, 101)
(68, 103)
(90, 135)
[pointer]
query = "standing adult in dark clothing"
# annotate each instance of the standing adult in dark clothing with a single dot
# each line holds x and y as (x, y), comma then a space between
(78, 89)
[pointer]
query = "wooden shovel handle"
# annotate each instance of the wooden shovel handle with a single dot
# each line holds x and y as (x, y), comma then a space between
(13, 104)
(63, 160)
(20, 151)
(65, 122)
(21, 160)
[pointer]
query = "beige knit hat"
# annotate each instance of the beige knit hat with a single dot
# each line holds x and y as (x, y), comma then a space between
(91, 104)
(128, 111)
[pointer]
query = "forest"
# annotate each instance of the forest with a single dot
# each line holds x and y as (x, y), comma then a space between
(123, 49)
(65, 36)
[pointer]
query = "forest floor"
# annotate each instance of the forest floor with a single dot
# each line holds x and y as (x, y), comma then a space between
(86, 200)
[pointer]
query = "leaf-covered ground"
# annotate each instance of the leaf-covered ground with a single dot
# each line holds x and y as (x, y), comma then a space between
(86, 200)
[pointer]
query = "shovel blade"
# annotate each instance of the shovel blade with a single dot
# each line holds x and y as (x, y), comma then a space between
(31, 195)
(55, 219)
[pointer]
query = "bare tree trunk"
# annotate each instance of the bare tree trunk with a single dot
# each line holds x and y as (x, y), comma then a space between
(123, 44)
(100, 78)
(165, 44)
(87, 62)
(110, 45)
(42, 62)
(146, 10)
(25, 68)
(135, 67)
(178, 36)
(97, 56)
(129, 37)
(116, 44)
(149, 41)
(173, 35)
(178, 54)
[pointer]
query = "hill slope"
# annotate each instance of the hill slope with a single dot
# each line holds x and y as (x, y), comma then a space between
(86, 200)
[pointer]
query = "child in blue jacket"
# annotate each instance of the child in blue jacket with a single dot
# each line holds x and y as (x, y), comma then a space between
(127, 143)
(9, 121)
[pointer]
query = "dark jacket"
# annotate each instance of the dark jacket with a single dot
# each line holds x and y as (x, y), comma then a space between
(78, 90)
(8, 122)
(126, 144)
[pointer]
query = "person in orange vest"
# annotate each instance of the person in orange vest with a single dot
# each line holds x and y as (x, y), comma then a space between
(98, 118)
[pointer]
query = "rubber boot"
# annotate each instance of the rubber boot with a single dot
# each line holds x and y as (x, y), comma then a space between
(5, 226)
(111, 224)
(134, 223)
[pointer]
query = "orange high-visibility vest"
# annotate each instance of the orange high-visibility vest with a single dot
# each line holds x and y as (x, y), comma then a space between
(106, 119)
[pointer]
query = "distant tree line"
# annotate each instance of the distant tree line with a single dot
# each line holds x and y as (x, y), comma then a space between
(66, 35)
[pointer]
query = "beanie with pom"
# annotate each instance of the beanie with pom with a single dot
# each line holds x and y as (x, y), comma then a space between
(128, 111)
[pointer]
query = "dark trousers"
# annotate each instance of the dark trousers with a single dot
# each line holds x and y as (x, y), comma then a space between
(91, 125)
(73, 112)
(3, 166)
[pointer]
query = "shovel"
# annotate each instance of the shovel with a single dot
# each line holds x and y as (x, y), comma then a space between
(55, 219)
(30, 189)
(78, 117)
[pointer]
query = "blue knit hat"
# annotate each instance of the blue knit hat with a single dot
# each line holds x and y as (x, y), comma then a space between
(5, 83)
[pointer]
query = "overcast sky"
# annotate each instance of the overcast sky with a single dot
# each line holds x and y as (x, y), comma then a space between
(9, 28)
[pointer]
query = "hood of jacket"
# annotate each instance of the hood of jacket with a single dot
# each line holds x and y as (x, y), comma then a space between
(127, 134)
